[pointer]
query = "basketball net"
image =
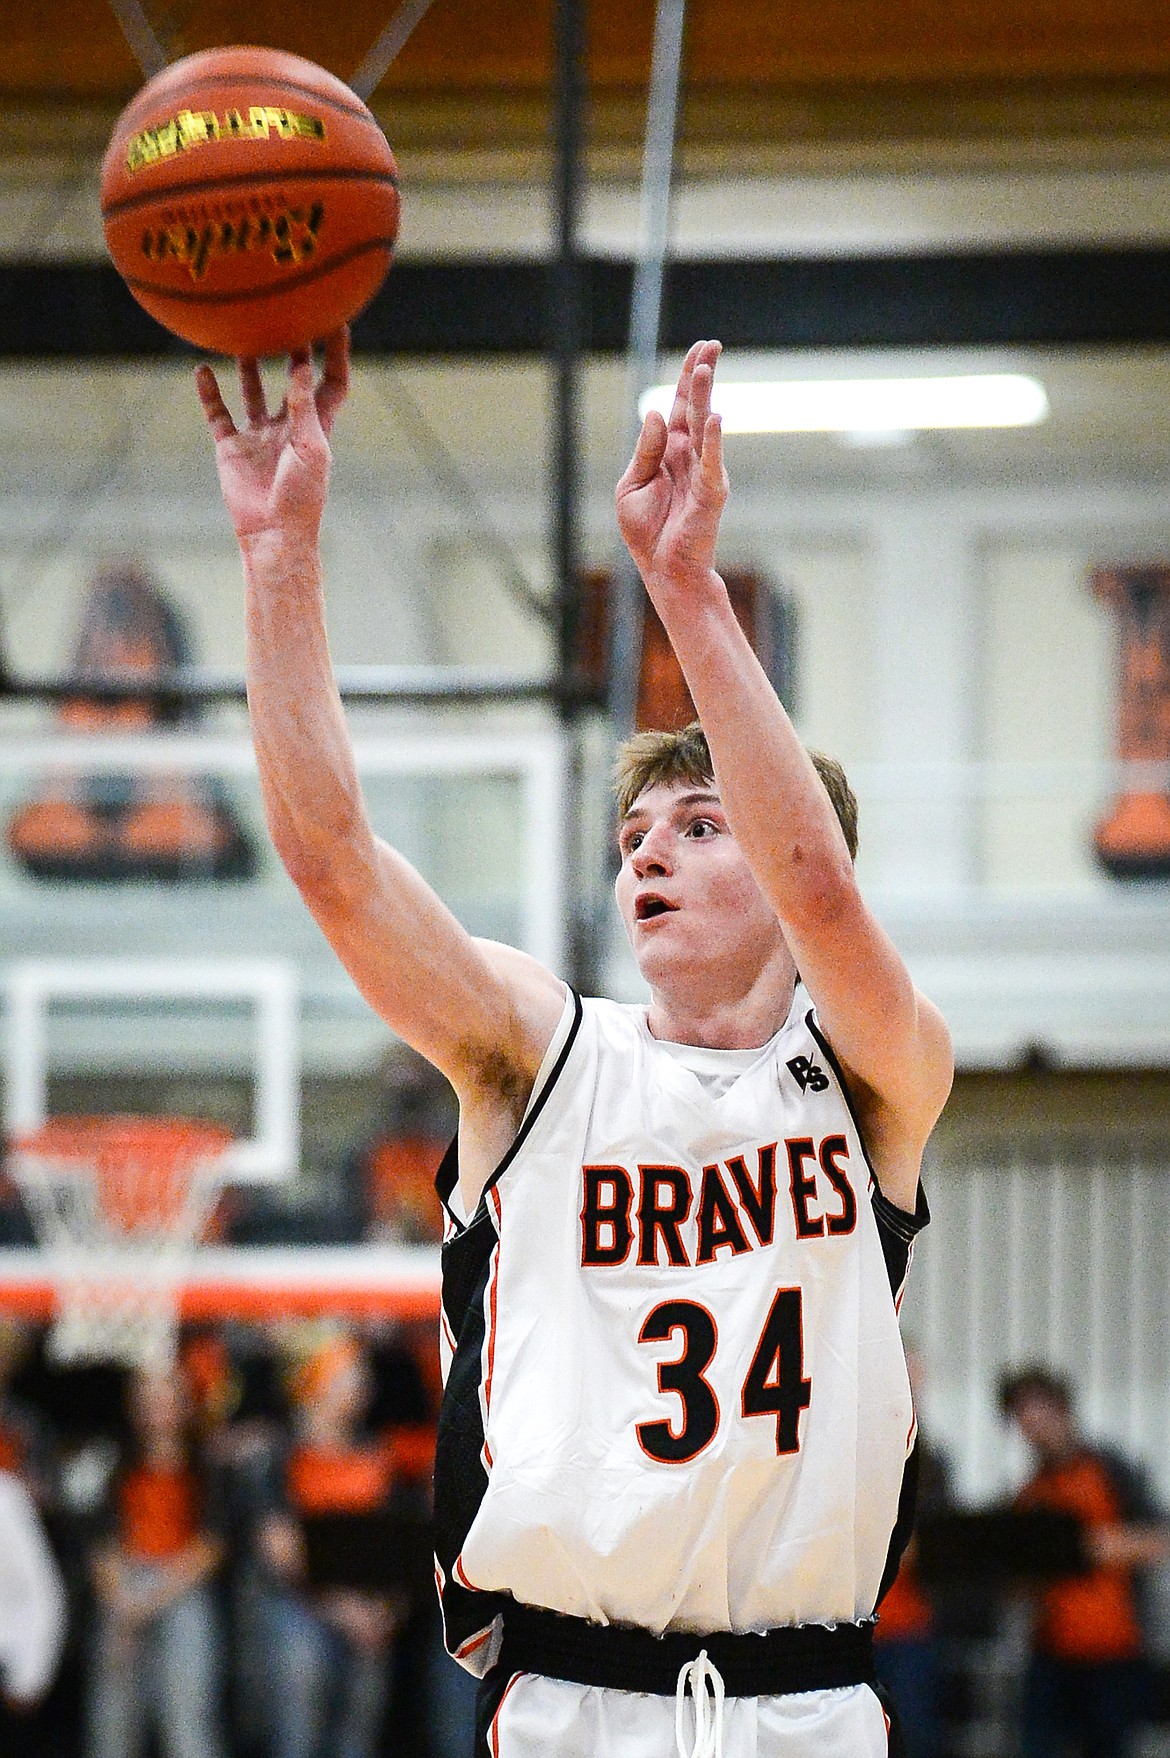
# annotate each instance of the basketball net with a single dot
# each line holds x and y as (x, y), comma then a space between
(119, 1205)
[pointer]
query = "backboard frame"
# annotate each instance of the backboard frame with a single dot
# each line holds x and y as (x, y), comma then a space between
(272, 1152)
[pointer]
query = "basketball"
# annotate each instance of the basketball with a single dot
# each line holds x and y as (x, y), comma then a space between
(250, 200)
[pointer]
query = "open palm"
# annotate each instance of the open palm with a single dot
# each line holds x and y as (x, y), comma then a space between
(671, 497)
(274, 471)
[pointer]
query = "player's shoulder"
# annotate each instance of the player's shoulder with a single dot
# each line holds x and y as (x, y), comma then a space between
(802, 1028)
(514, 966)
(534, 983)
(626, 1018)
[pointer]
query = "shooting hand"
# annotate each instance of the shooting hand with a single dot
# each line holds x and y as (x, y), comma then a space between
(671, 497)
(274, 472)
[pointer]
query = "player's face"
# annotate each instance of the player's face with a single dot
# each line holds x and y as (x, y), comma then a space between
(687, 897)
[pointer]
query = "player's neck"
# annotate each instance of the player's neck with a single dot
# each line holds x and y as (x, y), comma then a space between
(736, 1021)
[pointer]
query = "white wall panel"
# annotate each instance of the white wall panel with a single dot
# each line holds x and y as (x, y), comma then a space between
(1048, 666)
(832, 583)
(1060, 1259)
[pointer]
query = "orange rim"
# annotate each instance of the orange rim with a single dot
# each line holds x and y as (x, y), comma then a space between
(142, 1166)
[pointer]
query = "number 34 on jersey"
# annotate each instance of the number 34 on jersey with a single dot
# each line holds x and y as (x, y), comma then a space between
(654, 1215)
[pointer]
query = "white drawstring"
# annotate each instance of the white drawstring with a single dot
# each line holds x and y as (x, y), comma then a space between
(695, 1677)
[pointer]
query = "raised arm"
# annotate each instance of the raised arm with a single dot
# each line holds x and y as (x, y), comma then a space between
(892, 1042)
(482, 1015)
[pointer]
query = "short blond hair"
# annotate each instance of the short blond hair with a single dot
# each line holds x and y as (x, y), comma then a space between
(653, 757)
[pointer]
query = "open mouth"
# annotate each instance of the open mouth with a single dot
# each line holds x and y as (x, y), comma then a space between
(648, 907)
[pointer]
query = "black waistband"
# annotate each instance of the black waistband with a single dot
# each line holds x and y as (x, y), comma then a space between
(804, 1657)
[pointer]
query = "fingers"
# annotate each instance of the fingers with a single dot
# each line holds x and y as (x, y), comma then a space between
(334, 386)
(699, 404)
(692, 397)
(648, 454)
(711, 457)
(252, 391)
(682, 395)
(218, 415)
(702, 387)
(299, 401)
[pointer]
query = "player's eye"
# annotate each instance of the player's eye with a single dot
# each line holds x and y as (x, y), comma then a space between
(702, 827)
(631, 841)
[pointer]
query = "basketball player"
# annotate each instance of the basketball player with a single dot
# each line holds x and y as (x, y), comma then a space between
(677, 1421)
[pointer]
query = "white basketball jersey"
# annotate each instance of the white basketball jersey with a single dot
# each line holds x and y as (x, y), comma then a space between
(676, 1396)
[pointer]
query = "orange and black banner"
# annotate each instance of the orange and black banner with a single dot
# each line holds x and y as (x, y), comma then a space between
(1133, 842)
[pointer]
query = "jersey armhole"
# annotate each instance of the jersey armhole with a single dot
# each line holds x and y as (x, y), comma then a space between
(555, 1057)
(830, 1055)
(897, 1231)
(921, 1215)
(897, 1228)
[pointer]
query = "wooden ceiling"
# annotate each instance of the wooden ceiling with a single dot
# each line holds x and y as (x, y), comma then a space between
(476, 73)
(75, 47)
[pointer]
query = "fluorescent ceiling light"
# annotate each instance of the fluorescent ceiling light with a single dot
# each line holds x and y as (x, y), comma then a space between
(871, 405)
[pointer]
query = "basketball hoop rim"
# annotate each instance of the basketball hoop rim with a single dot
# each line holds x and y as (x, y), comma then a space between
(119, 1204)
(114, 1152)
(68, 1141)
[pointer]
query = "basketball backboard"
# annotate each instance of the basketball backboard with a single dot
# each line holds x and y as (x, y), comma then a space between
(34, 987)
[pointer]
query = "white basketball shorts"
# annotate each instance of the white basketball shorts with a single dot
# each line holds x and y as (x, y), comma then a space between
(551, 1718)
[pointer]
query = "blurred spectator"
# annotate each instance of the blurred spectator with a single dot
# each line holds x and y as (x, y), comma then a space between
(110, 826)
(25, 1449)
(1085, 1686)
(393, 1172)
(32, 1601)
(906, 1637)
(156, 1486)
(211, 1379)
(331, 1642)
(241, 1414)
(451, 1700)
(409, 1377)
(157, 1659)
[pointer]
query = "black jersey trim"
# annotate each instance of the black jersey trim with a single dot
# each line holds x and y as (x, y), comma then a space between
(541, 1099)
(897, 1228)
(460, 1482)
(897, 1231)
(460, 1473)
(447, 1177)
(903, 1524)
(901, 1222)
(830, 1055)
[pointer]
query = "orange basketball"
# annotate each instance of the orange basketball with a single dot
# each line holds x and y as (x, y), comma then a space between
(250, 200)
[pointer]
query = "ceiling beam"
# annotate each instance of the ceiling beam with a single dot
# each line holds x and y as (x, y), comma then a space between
(490, 307)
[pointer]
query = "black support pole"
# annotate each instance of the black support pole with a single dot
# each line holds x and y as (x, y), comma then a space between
(628, 613)
(566, 340)
(566, 317)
